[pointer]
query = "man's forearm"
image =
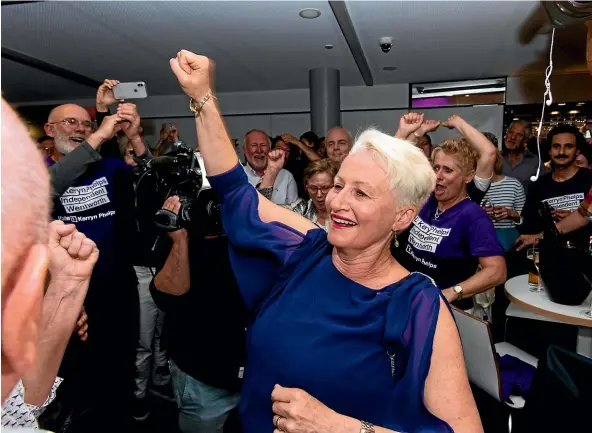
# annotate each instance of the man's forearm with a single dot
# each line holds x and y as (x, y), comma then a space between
(140, 149)
(310, 153)
(65, 172)
(572, 222)
(174, 278)
(58, 318)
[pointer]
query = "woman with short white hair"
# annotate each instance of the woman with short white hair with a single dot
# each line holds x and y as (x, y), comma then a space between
(343, 338)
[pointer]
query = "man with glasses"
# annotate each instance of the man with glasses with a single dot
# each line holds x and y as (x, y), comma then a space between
(96, 193)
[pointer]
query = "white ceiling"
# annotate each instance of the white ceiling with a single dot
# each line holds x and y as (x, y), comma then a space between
(257, 45)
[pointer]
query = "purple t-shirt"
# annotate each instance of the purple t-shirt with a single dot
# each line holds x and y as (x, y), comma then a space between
(48, 161)
(448, 248)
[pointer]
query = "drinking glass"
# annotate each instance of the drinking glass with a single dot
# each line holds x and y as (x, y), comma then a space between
(533, 254)
(588, 312)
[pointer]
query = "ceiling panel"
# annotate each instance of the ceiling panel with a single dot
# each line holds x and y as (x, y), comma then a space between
(256, 45)
(436, 41)
(22, 83)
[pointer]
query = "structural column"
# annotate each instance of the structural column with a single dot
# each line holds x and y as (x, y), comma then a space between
(325, 103)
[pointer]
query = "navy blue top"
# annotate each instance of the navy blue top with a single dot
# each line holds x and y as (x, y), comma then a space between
(100, 203)
(314, 329)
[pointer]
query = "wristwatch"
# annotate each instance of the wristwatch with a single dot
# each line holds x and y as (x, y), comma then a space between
(459, 291)
(367, 427)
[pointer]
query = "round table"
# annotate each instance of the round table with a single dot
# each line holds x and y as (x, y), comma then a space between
(518, 291)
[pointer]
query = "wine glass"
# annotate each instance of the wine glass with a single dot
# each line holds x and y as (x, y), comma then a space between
(534, 254)
(588, 312)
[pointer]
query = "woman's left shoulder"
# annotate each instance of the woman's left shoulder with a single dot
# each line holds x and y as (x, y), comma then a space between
(417, 283)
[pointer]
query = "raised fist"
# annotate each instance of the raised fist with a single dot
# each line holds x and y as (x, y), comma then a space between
(195, 73)
(275, 160)
(73, 255)
(408, 124)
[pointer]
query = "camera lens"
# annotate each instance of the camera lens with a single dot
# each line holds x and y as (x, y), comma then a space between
(141, 85)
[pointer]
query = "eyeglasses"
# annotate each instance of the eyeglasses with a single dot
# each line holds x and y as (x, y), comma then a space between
(70, 122)
(315, 189)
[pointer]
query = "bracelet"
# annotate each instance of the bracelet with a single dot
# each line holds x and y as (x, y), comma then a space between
(366, 427)
(196, 107)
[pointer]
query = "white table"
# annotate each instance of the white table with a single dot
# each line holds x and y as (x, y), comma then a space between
(518, 291)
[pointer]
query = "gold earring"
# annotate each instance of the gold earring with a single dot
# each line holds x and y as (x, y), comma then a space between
(395, 240)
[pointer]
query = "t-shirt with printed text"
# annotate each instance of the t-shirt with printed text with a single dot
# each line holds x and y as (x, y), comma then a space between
(448, 248)
(566, 195)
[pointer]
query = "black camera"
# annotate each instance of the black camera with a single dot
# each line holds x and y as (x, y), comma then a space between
(179, 173)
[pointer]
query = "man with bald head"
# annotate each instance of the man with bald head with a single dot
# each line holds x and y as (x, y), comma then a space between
(339, 142)
(96, 193)
(35, 327)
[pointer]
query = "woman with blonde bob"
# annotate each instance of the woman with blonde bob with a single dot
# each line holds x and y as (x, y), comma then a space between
(343, 338)
(452, 239)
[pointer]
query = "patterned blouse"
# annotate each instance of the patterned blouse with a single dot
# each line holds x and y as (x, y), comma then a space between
(307, 210)
(17, 413)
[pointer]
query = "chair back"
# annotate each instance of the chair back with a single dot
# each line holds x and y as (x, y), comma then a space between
(479, 352)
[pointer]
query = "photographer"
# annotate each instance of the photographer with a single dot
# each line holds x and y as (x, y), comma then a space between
(205, 317)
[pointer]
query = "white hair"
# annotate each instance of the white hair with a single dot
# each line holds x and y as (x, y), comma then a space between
(409, 172)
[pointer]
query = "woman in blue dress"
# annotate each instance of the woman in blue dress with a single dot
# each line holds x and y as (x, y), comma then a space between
(342, 338)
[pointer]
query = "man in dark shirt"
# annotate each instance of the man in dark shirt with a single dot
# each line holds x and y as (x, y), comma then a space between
(96, 194)
(206, 320)
(563, 189)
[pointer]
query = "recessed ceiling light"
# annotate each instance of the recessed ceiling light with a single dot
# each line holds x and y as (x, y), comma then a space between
(329, 47)
(579, 104)
(561, 104)
(574, 112)
(310, 13)
(554, 112)
(389, 68)
(515, 118)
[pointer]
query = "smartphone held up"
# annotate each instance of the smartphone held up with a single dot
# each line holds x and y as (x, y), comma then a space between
(135, 90)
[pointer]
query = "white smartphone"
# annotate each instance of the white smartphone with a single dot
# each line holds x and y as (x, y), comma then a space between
(135, 90)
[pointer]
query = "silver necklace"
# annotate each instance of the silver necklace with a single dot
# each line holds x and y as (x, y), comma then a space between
(439, 212)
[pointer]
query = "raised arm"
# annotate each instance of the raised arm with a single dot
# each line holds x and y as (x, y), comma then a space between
(68, 169)
(485, 148)
(131, 127)
(195, 75)
(73, 257)
(310, 153)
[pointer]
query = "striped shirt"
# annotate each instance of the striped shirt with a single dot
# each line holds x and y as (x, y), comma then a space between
(508, 193)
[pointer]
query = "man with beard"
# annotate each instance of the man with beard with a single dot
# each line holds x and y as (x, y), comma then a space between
(518, 161)
(256, 148)
(96, 193)
(563, 189)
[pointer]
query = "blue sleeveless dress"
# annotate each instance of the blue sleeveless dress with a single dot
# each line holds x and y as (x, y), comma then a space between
(364, 353)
